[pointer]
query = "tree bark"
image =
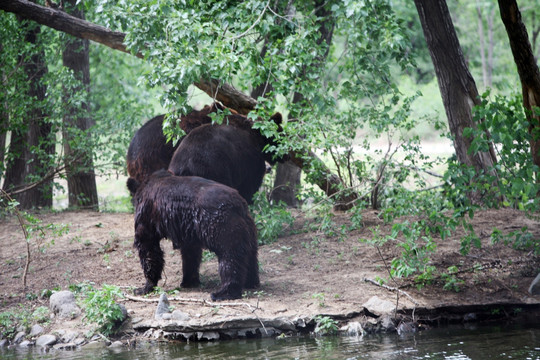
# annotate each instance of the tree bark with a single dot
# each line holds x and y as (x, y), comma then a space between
(35, 138)
(225, 93)
(81, 180)
(528, 71)
(456, 84)
(3, 127)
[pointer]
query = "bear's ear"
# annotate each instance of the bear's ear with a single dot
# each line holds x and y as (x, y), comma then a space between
(277, 118)
(132, 185)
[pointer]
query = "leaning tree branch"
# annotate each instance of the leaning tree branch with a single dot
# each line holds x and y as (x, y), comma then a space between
(225, 93)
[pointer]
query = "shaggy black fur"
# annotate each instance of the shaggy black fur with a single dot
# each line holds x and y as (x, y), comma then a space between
(232, 155)
(195, 213)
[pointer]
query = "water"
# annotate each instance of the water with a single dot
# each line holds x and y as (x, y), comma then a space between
(494, 342)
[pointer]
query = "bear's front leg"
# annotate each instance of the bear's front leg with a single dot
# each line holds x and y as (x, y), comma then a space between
(150, 256)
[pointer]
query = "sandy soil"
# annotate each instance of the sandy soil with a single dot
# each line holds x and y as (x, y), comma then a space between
(304, 273)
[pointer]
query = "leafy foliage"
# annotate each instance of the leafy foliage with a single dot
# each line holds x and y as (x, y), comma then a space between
(101, 308)
(12, 320)
(270, 219)
(325, 325)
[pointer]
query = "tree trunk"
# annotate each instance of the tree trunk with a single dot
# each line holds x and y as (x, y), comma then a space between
(35, 138)
(288, 174)
(456, 84)
(286, 183)
(3, 128)
(529, 73)
(82, 191)
(224, 93)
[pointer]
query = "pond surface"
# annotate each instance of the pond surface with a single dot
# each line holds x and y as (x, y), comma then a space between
(474, 342)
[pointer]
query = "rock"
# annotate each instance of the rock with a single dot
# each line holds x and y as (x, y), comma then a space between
(469, 317)
(387, 323)
(3, 343)
(66, 346)
(62, 304)
(180, 315)
(354, 328)
(94, 347)
(208, 335)
(46, 340)
(116, 344)
(300, 322)
(267, 332)
(79, 341)
(406, 328)
(166, 316)
(534, 289)
(379, 307)
(36, 330)
(162, 307)
(68, 336)
(19, 337)
(26, 343)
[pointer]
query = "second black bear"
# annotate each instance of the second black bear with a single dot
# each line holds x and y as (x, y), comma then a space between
(195, 213)
(149, 150)
(231, 155)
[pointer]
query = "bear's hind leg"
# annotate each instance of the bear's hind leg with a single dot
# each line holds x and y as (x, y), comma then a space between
(151, 258)
(252, 276)
(191, 261)
(232, 273)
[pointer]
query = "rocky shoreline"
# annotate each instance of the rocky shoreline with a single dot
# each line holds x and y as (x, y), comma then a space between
(69, 332)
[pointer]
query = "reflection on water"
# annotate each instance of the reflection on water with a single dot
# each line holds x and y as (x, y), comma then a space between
(495, 342)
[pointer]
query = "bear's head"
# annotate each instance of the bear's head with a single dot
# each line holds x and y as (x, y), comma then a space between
(270, 142)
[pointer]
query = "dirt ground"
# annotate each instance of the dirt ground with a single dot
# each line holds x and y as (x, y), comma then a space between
(304, 273)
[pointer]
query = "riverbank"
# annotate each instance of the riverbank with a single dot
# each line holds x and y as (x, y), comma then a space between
(315, 269)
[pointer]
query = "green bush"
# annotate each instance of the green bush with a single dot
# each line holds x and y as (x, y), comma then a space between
(101, 308)
(270, 219)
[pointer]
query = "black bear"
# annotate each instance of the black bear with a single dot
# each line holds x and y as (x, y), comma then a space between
(194, 213)
(232, 155)
(149, 150)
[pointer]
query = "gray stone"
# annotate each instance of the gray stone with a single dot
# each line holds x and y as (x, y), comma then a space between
(379, 307)
(406, 328)
(180, 315)
(354, 328)
(68, 336)
(19, 337)
(3, 343)
(79, 341)
(46, 340)
(162, 307)
(62, 304)
(387, 323)
(534, 289)
(116, 344)
(94, 346)
(66, 346)
(208, 335)
(267, 332)
(166, 316)
(26, 343)
(36, 330)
